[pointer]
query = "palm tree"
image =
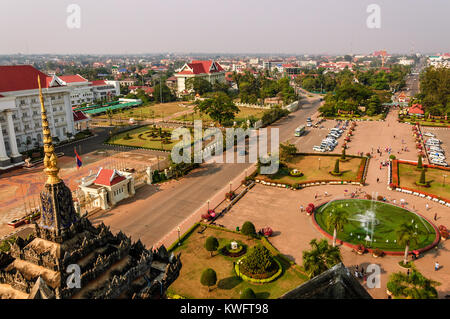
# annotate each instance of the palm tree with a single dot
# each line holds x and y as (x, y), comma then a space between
(412, 286)
(336, 221)
(407, 235)
(320, 258)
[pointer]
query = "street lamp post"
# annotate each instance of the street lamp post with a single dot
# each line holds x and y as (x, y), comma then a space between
(319, 162)
(179, 231)
(231, 184)
(444, 178)
(208, 204)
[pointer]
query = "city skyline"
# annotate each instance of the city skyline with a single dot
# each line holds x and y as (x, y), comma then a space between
(253, 27)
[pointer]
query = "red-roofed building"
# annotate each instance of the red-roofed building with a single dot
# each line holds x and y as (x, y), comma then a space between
(108, 187)
(20, 111)
(78, 119)
(147, 89)
(416, 109)
(208, 70)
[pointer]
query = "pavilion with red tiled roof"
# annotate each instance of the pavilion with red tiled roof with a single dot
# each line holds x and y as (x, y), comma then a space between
(108, 177)
(79, 118)
(416, 109)
(209, 70)
(109, 186)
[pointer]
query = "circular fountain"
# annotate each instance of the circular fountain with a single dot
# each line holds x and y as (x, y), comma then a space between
(373, 224)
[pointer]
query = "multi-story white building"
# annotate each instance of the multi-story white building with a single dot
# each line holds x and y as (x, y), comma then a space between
(208, 70)
(103, 89)
(81, 89)
(20, 111)
(84, 91)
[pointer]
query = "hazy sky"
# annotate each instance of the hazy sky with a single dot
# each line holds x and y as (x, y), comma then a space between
(223, 26)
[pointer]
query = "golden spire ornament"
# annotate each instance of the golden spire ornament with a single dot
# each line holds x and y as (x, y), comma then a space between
(50, 159)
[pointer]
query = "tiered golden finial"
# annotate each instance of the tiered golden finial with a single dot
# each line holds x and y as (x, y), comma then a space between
(50, 159)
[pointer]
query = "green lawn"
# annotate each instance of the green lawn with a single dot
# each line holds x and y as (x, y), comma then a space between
(425, 122)
(139, 137)
(409, 175)
(149, 111)
(314, 168)
(388, 218)
(195, 259)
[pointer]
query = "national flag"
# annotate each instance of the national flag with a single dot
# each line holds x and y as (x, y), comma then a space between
(78, 158)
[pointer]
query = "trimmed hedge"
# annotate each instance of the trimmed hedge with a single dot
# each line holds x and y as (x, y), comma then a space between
(183, 237)
(260, 281)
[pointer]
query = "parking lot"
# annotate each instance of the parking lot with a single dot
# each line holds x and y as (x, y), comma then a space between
(314, 136)
(443, 134)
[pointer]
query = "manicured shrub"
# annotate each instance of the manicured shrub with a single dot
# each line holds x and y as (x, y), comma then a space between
(248, 229)
(209, 278)
(392, 157)
(343, 154)
(258, 261)
(419, 162)
(248, 293)
(336, 167)
(211, 244)
(422, 179)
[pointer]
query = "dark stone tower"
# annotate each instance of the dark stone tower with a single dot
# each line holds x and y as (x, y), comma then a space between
(106, 265)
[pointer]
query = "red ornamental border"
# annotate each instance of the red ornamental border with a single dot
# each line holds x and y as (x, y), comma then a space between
(370, 250)
(396, 183)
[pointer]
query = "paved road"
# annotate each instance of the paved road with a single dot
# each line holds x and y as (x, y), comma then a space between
(151, 214)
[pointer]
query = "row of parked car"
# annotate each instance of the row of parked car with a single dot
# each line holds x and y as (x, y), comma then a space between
(330, 142)
(435, 152)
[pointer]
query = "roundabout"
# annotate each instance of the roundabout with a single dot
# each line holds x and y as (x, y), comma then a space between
(373, 224)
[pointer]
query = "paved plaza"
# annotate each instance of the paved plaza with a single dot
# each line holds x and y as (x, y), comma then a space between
(20, 189)
(293, 230)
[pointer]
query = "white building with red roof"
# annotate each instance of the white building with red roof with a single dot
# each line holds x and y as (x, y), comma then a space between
(108, 187)
(208, 70)
(20, 111)
(84, 91)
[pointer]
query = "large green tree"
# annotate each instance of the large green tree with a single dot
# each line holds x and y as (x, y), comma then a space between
(219, 107)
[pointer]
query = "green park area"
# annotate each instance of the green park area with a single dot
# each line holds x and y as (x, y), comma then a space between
(244, 114)
(316, 168)
(228, 285)
(147, 137)
(148, 112)
(424, 122)
(437, 180)
(374, 224)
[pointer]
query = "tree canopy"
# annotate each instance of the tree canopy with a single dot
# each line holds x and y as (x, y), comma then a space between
(219, 107)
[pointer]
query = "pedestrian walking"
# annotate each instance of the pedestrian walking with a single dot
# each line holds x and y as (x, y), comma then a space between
(378, 179)
(436, 266)
(407, 273)
(435, 216)
(326, 193)
(427, 206)
(301, 208)
(315, 196)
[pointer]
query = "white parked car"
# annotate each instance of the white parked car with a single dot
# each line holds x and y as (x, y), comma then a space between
(441, 163)
(436, 148)
(429, 134)
(318, 148)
